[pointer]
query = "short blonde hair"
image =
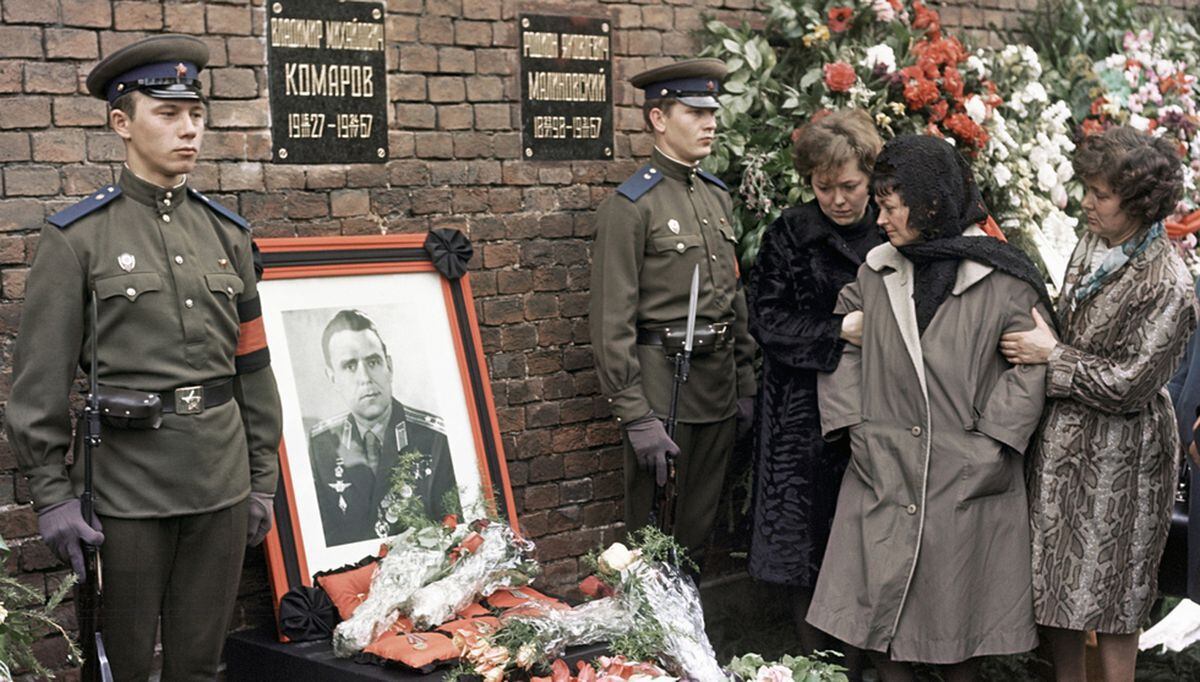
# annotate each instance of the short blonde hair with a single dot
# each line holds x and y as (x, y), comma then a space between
(828, 142)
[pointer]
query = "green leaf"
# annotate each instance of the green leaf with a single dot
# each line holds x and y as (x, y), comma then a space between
(732, 46)
(753, 56)
(811, 77)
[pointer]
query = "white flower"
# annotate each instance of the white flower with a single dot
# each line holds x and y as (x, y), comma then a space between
(1047, 177)
(3, 615)
(976, 109)
(1059, 196)
(883, 10)
(774, 673)
(974, 63)
(1035, 92)
(1138, 121)
(880, 54)
(1001, 174)
(618, 557)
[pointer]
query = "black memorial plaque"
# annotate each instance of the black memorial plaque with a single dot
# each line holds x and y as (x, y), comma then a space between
(566, 88)
(327, 70)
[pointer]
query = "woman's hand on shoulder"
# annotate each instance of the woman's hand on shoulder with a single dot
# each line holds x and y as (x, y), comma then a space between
(1032, 347)
(852, 327)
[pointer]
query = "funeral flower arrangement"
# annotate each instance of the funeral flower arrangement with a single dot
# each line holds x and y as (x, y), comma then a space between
(26, 615)
(893, 59)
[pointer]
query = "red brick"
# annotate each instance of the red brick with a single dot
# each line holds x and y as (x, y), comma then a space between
(25, 112)
(435, 145)
(402, 29)
(444, 8)
(351, 202)
(18, 523)
(79, 111)
(30, 12)
(20, 41)
(239, 114)
(406, 87)
(367, 175)
(456, 60)
(325, 177)
(492, 61)
(233, 19)
(137, 16)
(91, 13)
(11, 73)
(59, 146)
(446, 89)
(184, 17)
(436, 30)
(493, 117)
(241, 176)
(12, 251)
(20, 214)
(12, 283)
(51, 77)
(415, 58)
(476, 33)
(416, 116)
(408, 173)
(484, 89)
(79, 180)
(223, 145)
(641, 42)
(658, 17)
(301, 205)
(457, 117)
(110, 42)
(481, 9)
(105, 147)
(246, 51)
(405, 6)
(234, 83)
(278, 176)
(69, 43)
(431, 201)
(14, 147)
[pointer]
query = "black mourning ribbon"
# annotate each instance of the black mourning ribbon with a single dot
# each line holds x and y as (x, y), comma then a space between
(450, 250)
(306, 614)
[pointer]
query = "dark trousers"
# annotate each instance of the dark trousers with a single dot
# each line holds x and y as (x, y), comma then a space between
(699, 475)
(182, 569)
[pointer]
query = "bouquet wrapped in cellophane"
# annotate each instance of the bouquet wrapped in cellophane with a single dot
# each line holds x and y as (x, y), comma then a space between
(414, 558)
(548, 630)
(489, 558)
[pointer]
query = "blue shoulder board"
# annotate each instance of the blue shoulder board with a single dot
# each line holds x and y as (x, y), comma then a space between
(220, 210)
(712, 178)
(94, 201)
(640, 182)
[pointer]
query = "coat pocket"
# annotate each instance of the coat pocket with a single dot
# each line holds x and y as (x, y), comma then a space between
(860, 456)
(131, 285)
(987, 469)
(676, 243)
(223, 283)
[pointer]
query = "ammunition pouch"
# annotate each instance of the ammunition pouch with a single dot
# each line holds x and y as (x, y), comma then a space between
(708, 337)
(125, 408)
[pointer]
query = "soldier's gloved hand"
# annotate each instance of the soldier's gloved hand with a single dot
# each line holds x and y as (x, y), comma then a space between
(651, 444)
(63, 528)
(745, 415)
(262, 512)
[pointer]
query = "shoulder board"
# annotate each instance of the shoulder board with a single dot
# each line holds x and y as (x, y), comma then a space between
(640, 182)
(427, 419)
(94, 201)
(220, 210)
(712, 178)
(330, 424)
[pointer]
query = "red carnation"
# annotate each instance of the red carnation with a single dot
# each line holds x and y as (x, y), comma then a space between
(952, 82)
(1091, 127)
(938, 111)
(926, 19)
(967, 131)
(920, 93)
(839, 77)
(839, 19)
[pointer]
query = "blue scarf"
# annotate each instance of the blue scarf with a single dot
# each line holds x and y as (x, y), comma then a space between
(1113, 262)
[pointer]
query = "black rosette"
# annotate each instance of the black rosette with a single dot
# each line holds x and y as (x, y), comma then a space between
(450, 250)
(306, 614)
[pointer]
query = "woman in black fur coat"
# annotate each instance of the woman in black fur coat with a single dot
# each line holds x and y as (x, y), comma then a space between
(807, 256)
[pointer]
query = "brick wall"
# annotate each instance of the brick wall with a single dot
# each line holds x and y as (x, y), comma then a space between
(454, 142)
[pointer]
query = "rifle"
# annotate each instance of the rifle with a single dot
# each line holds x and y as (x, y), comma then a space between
(665, 496)
(88, 593)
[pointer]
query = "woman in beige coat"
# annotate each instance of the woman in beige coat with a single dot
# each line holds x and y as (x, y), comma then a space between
(1103, 465)
(928, 559)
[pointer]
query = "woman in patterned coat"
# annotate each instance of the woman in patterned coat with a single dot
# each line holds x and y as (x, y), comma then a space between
(807, 256)
(1103, 464)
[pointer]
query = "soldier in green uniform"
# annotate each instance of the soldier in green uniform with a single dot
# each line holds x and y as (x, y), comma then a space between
(664, 220)
(356, 456)
(172, 274)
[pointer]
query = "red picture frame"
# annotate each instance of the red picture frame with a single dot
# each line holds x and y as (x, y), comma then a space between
(338, 261)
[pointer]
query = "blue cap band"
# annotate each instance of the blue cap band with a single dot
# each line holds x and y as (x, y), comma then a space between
(147, 76)
(683, 87)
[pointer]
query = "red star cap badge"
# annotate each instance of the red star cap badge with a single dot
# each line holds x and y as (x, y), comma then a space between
(181, 70)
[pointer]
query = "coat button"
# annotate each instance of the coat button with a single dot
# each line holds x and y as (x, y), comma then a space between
(714, 257)
(167, 195)
(179, 260)
(229, 290)
(188, 303)
(704, 220)
(680, 247)
(166, 218)
(911, 509)
(131, 291)
(916, 431)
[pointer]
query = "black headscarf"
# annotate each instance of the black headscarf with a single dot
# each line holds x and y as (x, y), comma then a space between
(937, 185)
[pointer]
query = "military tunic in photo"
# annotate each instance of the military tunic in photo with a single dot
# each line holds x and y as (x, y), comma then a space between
(662, 222)
(354, 501)
(177, 306)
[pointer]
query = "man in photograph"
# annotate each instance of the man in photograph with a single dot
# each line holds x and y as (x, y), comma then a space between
(381, 463)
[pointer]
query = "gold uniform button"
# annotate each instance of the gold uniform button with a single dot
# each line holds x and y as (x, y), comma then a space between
(704, 220)
(911, 509)
(229, 290)
(131, 291)
(188, 303)
(167, 195)
(714, 257)
(179, 260)
(916, 431)
(166, 218)
(166, 202)
(680, 247)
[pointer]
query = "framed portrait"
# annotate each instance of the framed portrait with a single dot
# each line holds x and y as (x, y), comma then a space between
(388, 417)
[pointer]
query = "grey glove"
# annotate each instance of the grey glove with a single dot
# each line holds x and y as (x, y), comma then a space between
(651, 444)
(262, 512)
(63, 528)
(745, 415)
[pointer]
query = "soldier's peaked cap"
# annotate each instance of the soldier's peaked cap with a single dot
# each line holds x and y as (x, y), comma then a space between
(163, 66)
(694, 82)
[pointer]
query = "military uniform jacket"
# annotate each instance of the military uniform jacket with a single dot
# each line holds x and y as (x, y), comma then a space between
(177, 306)
(663, 221)
(353, 499)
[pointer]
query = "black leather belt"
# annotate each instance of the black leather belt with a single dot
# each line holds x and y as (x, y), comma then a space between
(707, 338)
(196, 399)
